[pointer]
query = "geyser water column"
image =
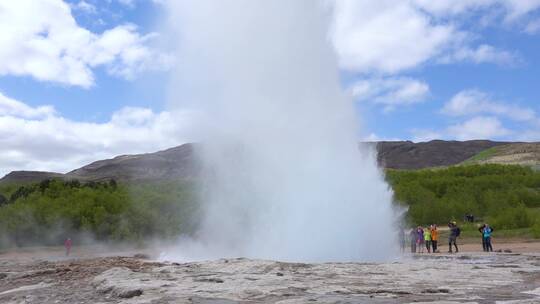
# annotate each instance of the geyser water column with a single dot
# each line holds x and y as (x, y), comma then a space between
(284, 176)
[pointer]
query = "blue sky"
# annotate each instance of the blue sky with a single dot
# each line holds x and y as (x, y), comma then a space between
(84, 80)
(513, 84)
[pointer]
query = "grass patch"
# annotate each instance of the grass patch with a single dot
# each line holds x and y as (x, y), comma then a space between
(483, 155)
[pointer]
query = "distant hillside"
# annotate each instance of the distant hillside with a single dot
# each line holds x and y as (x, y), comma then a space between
(179, 162)
(527, 154)
(435, 153)
(29, 176)
(173, 163)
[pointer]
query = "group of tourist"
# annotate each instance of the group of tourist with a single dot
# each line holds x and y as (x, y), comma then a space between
(427, 238)
(424, 238)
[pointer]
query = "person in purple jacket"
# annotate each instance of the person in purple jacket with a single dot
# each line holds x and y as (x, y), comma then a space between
(420, 239)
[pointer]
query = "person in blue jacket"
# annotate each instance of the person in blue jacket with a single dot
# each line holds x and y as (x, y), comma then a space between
(486, 233)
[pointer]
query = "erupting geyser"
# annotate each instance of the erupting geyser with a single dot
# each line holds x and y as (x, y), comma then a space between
(284, 178)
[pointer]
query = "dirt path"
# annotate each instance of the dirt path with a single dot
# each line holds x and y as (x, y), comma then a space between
(78, 252)
(472, 245)
(519, 246)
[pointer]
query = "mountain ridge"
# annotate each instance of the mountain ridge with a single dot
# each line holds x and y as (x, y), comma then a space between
(179, 163)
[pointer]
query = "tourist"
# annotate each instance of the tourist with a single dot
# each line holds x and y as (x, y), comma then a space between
(486, 234)
(434, 237)
(420, 239)
(469, 218)
(454, 234)
(427, 239)
(481, 230)
(412, 236)
(67, 245)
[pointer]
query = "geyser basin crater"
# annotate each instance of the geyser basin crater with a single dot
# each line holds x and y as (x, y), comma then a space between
(471, 278)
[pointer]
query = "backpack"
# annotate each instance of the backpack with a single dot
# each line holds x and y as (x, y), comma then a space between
(458, 231)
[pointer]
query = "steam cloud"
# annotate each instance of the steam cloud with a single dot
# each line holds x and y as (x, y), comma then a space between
(285, 178)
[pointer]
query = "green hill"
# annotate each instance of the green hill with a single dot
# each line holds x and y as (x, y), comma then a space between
(526, 154)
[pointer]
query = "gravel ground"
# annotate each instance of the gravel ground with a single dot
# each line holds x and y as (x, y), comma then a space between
(91, 276)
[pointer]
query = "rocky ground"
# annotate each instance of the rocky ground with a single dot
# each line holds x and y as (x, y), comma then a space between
(35, 277)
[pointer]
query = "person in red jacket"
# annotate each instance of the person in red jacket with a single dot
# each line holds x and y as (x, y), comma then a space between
(67, 245)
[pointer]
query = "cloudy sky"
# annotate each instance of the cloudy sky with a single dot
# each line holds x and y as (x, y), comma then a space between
(83, 80)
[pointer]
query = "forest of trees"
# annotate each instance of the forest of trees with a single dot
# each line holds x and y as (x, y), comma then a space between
(506, 196)
(47, 212)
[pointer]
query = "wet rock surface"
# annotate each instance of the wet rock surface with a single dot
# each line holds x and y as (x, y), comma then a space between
(467, 278)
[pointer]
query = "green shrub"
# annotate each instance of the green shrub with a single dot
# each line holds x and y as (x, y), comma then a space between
(512, 218)
(535, 229)
(48, 212)
(502, 194)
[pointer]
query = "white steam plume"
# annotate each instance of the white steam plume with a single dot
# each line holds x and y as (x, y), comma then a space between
(285, 178)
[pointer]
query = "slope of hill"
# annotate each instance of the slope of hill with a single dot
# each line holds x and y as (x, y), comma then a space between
(180, 162)
(173, 163)
(29, 176)
(435, 153)
(527, 154)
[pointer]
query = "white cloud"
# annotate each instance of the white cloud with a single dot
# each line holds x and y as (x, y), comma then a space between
(372, 137)
(480, 117)
(451, 7)
(41, 39)
(480, 127)
(533, 27)
(510, 10)
(472, 102)
(129, 3)
(124, 52)
(482, 54)
(84, 6)
(44, 140)
(385, 36)
(529, 135)
(133, 3)
(519, 8)
(390, 36)
(12, 107)
(422, 135)
(391, 92)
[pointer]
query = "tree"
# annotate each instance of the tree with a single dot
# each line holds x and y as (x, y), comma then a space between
(3, 200)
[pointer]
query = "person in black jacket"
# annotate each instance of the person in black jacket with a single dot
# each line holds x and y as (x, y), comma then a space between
(454, 233)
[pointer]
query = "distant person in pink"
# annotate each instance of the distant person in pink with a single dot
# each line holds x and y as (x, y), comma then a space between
(67, 245)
